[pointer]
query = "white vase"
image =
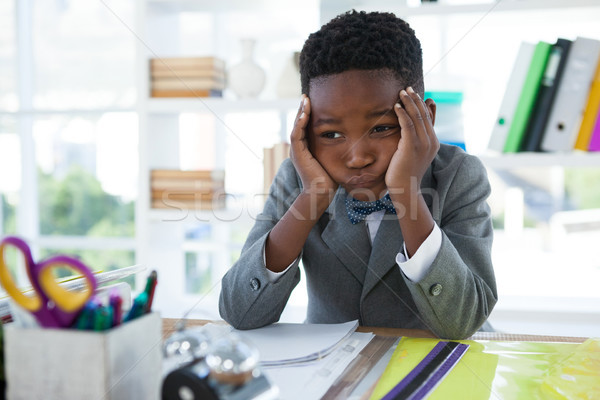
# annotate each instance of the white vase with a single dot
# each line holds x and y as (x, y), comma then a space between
(246, 79)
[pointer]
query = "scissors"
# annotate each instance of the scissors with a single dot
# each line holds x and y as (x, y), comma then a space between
(52, 305)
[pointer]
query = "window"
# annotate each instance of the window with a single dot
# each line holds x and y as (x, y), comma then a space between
(83, 54)
(87, 174)
(10, 160)
(68, 130)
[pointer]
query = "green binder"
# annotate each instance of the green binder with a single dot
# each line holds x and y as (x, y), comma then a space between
(528, 96)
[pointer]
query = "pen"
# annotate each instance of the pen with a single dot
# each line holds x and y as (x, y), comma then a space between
(150, 287)
(116, 304)
(138, 307)
(85, 320)
(102, 318)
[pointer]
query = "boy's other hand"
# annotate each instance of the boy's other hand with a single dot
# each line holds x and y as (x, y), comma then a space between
(418, 144)
(315, 180)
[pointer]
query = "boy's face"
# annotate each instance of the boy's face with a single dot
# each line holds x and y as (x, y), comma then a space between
(353, 130)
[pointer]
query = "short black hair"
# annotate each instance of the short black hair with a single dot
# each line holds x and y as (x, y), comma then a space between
(363, 41)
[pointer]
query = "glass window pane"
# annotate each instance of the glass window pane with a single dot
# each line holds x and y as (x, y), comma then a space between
(83, 54)
(10, 182)
(8, 96)
(199, 272)
(88, 174)
(248, 135)
(583, 191)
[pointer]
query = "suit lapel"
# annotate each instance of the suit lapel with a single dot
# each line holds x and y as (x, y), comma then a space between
(350, 243)
(389, 240)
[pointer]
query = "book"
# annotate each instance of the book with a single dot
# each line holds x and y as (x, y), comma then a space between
(214, 204)
(509, 102)
(187, 174)
(182, 83)
(568, 108)
(201, 195)
(272, 159)
(186, 93)
(188, 73)
(548, 88)
(527, 97)
(595, 140)
(170, 63)
(187, 184)
(590, 114)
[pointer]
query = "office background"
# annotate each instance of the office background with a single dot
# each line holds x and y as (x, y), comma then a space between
(79, 135)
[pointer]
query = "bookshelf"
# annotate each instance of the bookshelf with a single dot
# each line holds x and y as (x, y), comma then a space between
(161, 26)
(191, 246)
(450, 7)
(528, 160)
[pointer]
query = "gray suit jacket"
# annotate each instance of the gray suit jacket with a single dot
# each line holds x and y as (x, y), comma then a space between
(348, 280)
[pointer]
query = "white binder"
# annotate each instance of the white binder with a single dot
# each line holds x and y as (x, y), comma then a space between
(511, 97)
(569, 104)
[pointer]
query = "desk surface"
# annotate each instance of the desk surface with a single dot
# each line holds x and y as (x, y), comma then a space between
(169, 326)
(367, 367)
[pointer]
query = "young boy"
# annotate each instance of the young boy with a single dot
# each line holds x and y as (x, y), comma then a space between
(419, 257)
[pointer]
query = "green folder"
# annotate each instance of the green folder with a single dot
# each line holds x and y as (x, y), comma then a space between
(528, 96)
(503, 370)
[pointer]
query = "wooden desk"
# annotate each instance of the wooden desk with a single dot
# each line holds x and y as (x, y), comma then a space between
(169, 326)
(381, 344)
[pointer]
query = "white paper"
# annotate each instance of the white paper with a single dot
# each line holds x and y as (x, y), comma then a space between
(312, 380)
(284, 343)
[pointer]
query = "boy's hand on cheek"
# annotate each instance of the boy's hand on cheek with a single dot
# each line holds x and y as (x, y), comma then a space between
(418, 144)
(315, 179)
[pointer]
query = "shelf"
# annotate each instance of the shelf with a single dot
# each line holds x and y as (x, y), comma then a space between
(223, 6)
(423, 9)
(218, 105)
(526, 160)
(448, 9)
(68, 111)
(226, 215)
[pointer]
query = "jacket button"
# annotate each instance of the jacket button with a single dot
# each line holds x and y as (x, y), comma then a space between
(255, 284)
(435, 290)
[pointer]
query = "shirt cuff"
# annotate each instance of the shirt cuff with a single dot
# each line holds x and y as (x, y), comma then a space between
(416, 267)
(274, 276)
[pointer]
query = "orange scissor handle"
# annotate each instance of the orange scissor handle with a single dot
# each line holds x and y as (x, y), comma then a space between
(30, 303)
(68, 301)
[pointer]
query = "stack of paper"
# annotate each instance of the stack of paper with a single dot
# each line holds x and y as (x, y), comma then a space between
(313, 380)
(304, 360)
(284, 344)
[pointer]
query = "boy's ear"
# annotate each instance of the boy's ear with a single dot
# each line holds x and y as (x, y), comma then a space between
(431, 107)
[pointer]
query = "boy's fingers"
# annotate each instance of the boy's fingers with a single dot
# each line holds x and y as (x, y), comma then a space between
(299, 130)
(423, 111)
(419, 114)
(407, 124)
(429, 104)
(301, 106)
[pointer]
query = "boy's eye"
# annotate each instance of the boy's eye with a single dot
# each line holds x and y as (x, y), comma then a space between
(383, 130)
(331, 135)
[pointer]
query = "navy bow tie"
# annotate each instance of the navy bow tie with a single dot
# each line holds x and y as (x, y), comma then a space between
(358, 210)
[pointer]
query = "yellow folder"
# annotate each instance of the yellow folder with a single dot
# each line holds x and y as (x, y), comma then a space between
(504, 370)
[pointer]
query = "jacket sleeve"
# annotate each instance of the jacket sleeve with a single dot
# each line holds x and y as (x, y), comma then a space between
(458, 293)
(248, 300)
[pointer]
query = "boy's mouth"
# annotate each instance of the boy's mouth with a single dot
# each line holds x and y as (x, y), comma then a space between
(364, 180)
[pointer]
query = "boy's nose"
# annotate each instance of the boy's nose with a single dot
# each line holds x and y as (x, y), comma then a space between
(359, 155)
